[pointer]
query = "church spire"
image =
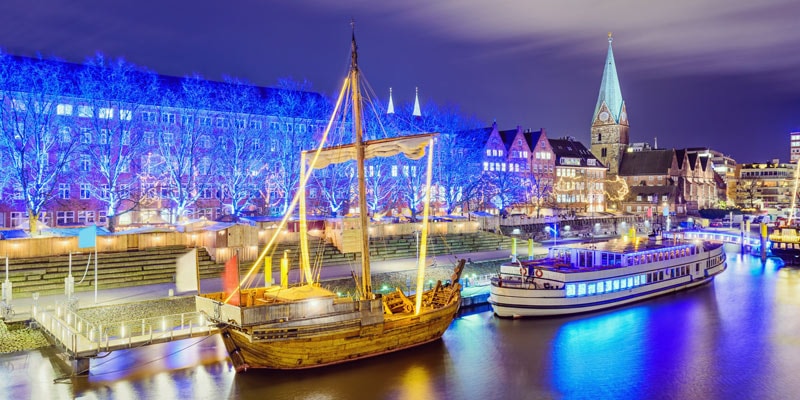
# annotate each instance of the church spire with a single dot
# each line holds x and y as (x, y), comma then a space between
(610, 93)
(417, 112)
(390, 109)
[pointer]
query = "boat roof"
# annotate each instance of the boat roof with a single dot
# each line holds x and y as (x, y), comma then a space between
(623, 246)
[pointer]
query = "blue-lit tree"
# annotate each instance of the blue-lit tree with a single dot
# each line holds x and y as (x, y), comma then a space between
(297, 112)
(114, 92)
(34, 145)
(458, 155)
(239, 153)
(504, 189)
(183, 142)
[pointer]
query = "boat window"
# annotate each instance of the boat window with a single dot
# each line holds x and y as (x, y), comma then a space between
(697, 267)
(642, 279)
(630, 282)
(623, 283)
(661, 275)
(616, 284)
(581, 289)
(570, 290)
(590, 289)
(609, 286)
(600, 287)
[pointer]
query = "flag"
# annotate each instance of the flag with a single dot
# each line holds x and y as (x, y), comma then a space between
(230, 281)
(87, 237)
(186, 272)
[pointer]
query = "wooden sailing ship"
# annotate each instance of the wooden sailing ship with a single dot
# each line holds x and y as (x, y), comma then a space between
(307, 326)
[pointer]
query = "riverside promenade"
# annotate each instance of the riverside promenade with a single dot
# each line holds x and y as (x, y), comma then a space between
(105, 297)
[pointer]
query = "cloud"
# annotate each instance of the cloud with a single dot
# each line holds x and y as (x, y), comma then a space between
(736, 36)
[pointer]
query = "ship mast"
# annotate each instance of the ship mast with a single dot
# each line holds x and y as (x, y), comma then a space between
(366, 279)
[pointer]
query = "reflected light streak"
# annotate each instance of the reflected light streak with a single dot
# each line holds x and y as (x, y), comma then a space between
(590, 352)
(417, 384)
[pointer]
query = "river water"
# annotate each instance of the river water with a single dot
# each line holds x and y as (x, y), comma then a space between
(737, 338)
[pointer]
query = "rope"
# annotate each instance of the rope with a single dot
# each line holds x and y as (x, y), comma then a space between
(88, 261)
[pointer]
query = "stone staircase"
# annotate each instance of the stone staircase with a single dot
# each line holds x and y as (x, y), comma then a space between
(392, 248)
(45, 275)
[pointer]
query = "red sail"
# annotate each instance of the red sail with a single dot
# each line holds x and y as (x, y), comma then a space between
(230, 281)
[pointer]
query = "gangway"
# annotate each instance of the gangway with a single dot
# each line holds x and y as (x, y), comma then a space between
(82, 340)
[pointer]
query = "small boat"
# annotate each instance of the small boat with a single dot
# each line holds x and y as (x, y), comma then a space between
(786, 245)
(305, 325)
(586, 277)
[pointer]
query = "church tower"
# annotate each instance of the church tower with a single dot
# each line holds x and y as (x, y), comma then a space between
(610, 120)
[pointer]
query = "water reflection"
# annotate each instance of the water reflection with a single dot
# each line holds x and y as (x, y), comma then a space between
(738, 337)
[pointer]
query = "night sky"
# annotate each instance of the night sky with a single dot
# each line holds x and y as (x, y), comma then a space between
(717, 73)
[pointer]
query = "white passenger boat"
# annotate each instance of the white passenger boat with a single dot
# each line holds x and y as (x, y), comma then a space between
(587, 277)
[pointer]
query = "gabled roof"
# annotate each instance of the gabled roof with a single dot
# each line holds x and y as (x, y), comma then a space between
(568, 148)
(680, 155)
(692, 158)
(532, 137)
(508, 137)
(610, 92)
(652, 162)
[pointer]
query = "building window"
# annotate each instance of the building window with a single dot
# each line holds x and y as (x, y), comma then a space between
(17, 218)
(168, 118)
(148, 116)
(255, 124)
(65, 217)
(222, 122)
(86, 135)
(488, 152)
(85, 163)
(64, 109)
(85, 217)
(125, 115)
(86, 191)
(63, 191)
(149, 138)
(85, 111)
(105, 113)
(126, 138)
(65, 134)
(205, 121)
(105, 134)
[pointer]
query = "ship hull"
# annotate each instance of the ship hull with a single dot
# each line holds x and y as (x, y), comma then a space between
(552, 290)
(519, 305)
(336, 345)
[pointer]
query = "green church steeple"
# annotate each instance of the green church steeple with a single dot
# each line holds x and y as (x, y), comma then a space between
(610, 93)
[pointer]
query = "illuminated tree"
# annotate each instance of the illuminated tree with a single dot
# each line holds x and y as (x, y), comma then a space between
(747, 192)
(36, 145)
(504, 189)
(541, 191)
(458, 155)
(114, 91)
(239, 152)
(616, 190)
(182, 142)
(296, 111)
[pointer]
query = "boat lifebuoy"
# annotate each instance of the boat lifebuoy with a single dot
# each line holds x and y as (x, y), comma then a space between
(538, 273)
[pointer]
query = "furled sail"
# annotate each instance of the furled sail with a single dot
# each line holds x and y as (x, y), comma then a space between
(412, 147)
